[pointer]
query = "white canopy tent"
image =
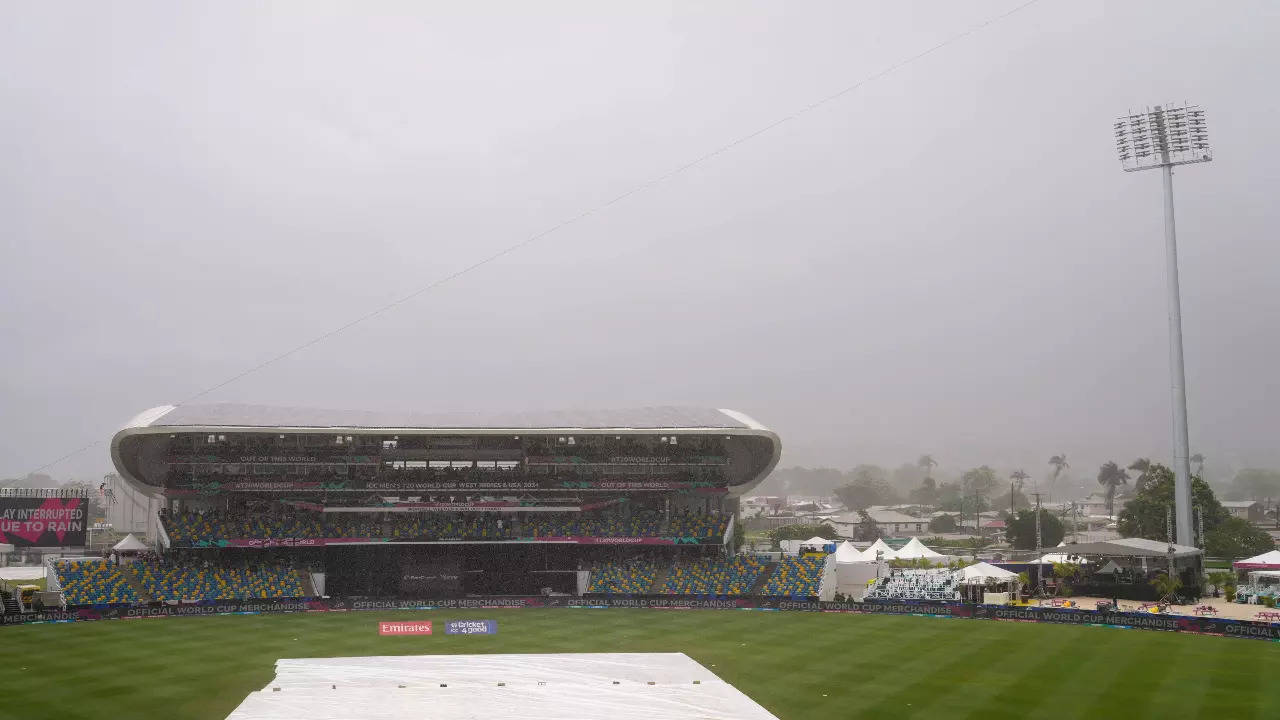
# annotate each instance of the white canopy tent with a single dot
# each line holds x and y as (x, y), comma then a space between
(879, 546)
(1269, 560)
(817, 540)
(130, 543)
(1110, 568)
(984, 573)
(982, 582)
(915, 549)
(847, 553)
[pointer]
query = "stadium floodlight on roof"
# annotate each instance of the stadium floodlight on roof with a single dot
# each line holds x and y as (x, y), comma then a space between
(1162, 137)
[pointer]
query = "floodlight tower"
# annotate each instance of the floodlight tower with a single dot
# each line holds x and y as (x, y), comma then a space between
(1162, 137)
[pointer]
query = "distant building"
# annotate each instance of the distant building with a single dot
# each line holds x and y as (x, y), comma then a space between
(889, 523)
(1250, 510)
(1096, 504)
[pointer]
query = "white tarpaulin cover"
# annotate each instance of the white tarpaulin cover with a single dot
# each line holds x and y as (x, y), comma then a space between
(22, 573)
(915, 549)
(816, 540)
(618, 686)
(879, 545)
(847, 553)
(981, 573)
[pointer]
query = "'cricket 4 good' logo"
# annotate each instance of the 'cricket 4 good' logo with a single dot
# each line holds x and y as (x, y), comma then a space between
(422, 627)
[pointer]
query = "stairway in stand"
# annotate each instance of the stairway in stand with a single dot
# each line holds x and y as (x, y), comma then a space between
(659, 580)
(758, 586)
(130, 575)
(308, 587)
(9, 601)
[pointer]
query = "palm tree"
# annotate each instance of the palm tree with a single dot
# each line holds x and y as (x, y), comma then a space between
(927, 463)
(1198, 459)
(1111, 477)
(1019, 478)
(1221, 580)
(1166, 587)
(1059, 463)
(1142, 466)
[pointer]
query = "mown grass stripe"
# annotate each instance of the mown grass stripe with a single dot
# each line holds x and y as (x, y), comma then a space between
(867, 666)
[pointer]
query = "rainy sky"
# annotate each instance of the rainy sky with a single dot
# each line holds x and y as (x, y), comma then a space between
(946, 258)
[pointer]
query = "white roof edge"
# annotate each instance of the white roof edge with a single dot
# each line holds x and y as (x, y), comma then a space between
(745, 419)
(147, 417)
(155, 428)
(753, 424)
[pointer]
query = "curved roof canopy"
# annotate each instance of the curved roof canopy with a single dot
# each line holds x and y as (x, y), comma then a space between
(267, 416)
(762, 454)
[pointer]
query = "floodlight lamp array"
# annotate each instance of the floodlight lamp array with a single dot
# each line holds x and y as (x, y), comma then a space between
(1162, 136)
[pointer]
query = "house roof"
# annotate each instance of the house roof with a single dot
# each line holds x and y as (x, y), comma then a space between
(892, 516)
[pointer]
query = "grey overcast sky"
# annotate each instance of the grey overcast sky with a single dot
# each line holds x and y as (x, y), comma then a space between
(946, 260)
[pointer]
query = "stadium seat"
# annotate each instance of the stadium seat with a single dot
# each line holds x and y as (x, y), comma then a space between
(94, 582)
(187, 529)
(796, 578)
(714, 576)
(239, 581)
(631, 577)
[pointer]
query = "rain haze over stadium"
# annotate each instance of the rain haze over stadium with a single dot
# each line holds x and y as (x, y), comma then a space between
(945, 259)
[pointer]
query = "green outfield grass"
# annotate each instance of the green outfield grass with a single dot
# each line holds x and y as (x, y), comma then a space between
(801, 666)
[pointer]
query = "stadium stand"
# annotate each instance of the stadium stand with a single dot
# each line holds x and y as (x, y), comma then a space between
(629, 577)
(238, 581)
(189, 528)
(796, 577)
(904, 584)
(430, 505)
(714, 576)
(697, 525)
(94, 582)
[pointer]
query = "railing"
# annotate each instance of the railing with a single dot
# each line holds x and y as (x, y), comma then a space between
(827, 585)
(44, 492)
(162, 535)
(51, 581)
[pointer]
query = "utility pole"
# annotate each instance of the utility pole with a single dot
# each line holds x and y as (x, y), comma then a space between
(1039, 542)
(1163, 137)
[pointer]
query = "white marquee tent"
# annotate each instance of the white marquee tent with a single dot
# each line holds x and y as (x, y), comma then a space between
(915, 549)
(878, 546)
(847, 553)
(130, 543)
(983, 573)
(1266, 561)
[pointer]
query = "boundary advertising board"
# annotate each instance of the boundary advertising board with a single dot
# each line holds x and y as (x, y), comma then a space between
(1144, 621)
